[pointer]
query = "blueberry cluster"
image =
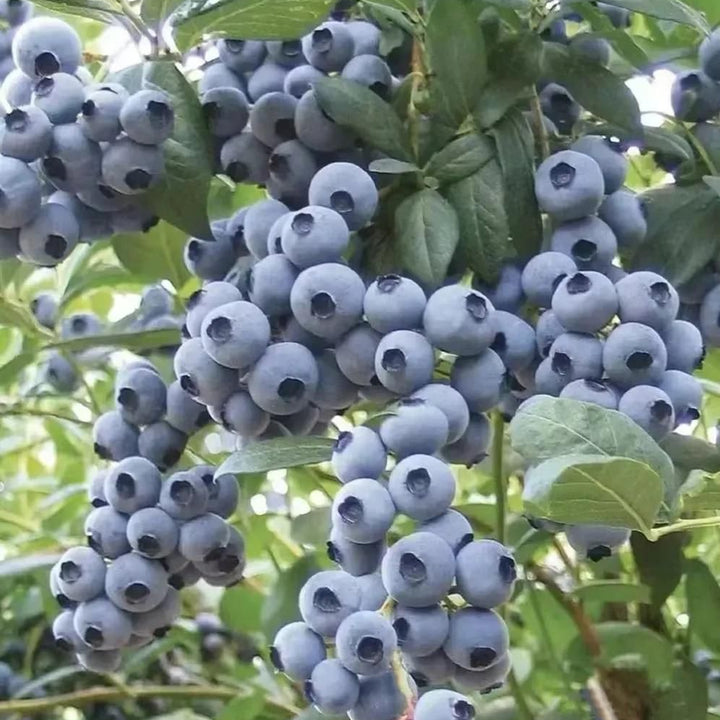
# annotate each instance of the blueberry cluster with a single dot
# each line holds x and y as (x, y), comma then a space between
(148, 538)
(283, 138)
(429, 596)
(560, 109)
(13, 14)
(75, 156)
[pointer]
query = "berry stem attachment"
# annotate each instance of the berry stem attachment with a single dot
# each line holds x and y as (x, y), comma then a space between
(497, 471)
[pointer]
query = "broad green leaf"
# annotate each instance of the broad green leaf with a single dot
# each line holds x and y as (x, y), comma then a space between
(246, 707)
(516, 153)
(13, 314)
(370, 117)
(692, 453)
(658, 139)
(240, 608)
(659, 564)
(709, 8)
(96, 276)
(460, 158)
(515, 65)
(247, 19)
(682, 232)
(594, 490)
(407, 6)
(26, 564)
(154, 255)
(618, 591)
(426, 229)
(144, 340)
(311, 528)
(686, 696)
(155, 12)
(484, 234)
(280, 606)
(707, 498)
(278, 453)
(703, 603)
(102, 10)
(674, 10)
(548, 427)
(389, 166)
(625, 645)
(594, 87)
(456, 53)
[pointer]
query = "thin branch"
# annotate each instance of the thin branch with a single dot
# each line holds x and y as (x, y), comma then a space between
(683, 525)
(524, 711)
(34, 412)
(140, 26)
(497, 471)
(539, 123)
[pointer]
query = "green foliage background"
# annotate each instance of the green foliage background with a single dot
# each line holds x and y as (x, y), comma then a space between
(460, 197)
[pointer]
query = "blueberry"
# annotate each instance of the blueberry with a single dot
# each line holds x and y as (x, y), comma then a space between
(585, 302)
(404, 361)
(372, 591)
(477, 638)
(418, 570)
(486, 573)
(257, 223)
(314, 235)
(560, 107)
(272, 118)
(269, 77)
(147, 117)
(483, 681)
(114, 438)
(156, 622)
(184, 496)
(284, 380)
(136, 584)
(365, 643)
(162, 444)
(430, 669)
(64, 633)
(591, 48)
(100, 114)
(297, 650)
(588, 241)
(694, 96)
(334, 390)
(60, 97)
(317, 131)
(650, 408)
(514, 341)
(140, 396)
(420, 631)
(596, 542)
(80, 325)
(453, 527)
(543, 274)
(292, 167)
(332, 689)
(20, 192)
(326, 599)
(507, 292)
(227, 565)
(133, 483)
(422, 487)
(219, 75)
(710, 317)
(50, 236)
(569, 186)
(288, 53)
(244, 158)
(241, 56)
(647, 298)
(710, 55)
(60, 373)
(358, 453)
(363, 511)
(26, 133)
(327, 299)
(416, 428)
(380, 698)
(634, 354)
(549, 382)
(301, 79)
(201, 377)
(347, 189)
(203, 538)
(270, 284)
(226, 111)
(608, 155)
(242, 416)
(96, 490)
(102, 625)
(44, 45)
(329, 46)
(183, 413)
(370, 71)
(100, 661)
(132, 168)
(366, 37)
(685, 393)
(81, 574)
(354, 558)
(201, 302)
(479, 379)
(576, 356)
(355, 354)
(459, 320)
(444, 705)
(451, 402)
(393, 302)
(223, 491)
(596, 392)
(106, 532)
(186, 576)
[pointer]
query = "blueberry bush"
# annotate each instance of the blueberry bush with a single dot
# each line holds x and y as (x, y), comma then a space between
(359, 359)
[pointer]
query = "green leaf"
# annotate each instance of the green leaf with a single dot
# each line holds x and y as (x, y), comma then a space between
(516, 153)
(548, 427)
(102, 10)
(594, 490)
(370, 117)
(155, 12)
(456, 53)
(389, 166)
(154, 255)
(603, 591)
(407, 6)
(460, 158)
(427, 234)
(484, 234)
(311, 528)
(659, 564)
(682, 232)
(594, 87)
(240, 609)
(278, 453)
(624, 644)
(703, 603)
(515, 64)
(26, 564)
(707, 498)
(16, 315)
(673, 10)
(692, 453)
(656, 139)
(145, 340)
(686, 696)
(247, 19)
(246, 707)
(280, 606)
(97, 276)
